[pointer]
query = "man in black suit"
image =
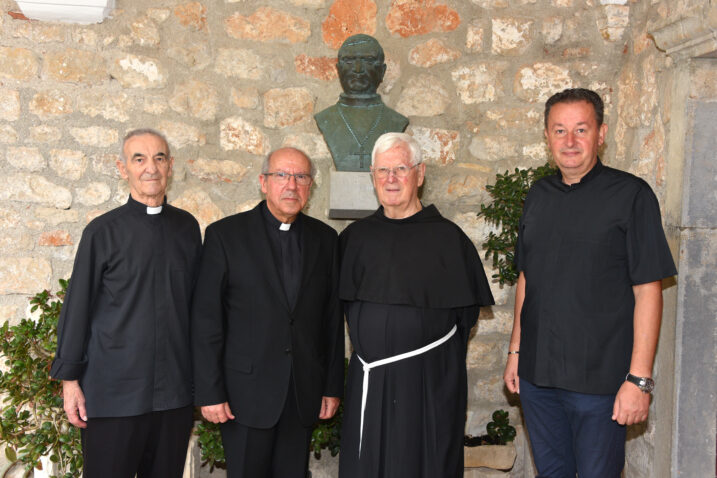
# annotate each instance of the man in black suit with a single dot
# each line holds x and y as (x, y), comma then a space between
(267, 327)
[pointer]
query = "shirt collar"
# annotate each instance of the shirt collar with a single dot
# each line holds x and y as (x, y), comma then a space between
(589, 176)
(274, 223)
(143, 208)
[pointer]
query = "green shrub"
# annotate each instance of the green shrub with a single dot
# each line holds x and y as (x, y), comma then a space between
(33, 422)
(504, 211)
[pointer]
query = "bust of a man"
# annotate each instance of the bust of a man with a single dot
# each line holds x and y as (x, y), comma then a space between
(351, 126)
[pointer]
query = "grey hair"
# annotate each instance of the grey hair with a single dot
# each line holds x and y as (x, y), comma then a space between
(267, 160)
(142, 132)
(388, 140)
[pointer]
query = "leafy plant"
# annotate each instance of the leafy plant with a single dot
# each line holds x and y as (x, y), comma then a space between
(33, 422)
(210, 445)
(500, 432)
(504, 211)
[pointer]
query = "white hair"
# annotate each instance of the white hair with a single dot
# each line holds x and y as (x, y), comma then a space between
(388, 140)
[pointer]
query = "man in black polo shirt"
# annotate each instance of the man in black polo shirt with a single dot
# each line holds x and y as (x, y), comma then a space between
(591, 254)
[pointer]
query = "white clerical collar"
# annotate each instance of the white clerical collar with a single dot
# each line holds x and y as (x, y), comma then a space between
(154, 210)
(284, 226)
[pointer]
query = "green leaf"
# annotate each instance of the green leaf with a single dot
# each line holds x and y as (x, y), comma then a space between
(10, 454)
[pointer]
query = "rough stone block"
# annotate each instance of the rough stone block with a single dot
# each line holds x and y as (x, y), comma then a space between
(321, 68)
(18, 63)
(613, 22)
(496, 319)
(393, 73)
(493, 148)
(9, 105)
(195, 98)
(423, 95)
(136, 71)
(159, 15)
(145, 32)
(418, 17)
(47, 104)
(479, 83)
(195, 55)
(432, 52)
(217, 170)
(346, 18)
(114, 106)
(268, 24)
(537, 82)
(200, 205)
(247, 98)
(510, 36)
(106, 164)
(474, 37)
(351, 195)
(312, 144)
(238, 134)
(180, 135)
(525, 119)
(75, 66)
(94, 194)
(238, 62)
(25, 187)
(56, 216)
(485, 352)
(55, 238)
(491, 4)
(24, 275)
(192, 15)
(287, 106)
(438, 146)
(95, 136)
(45, 134)
(68, 163)
(552, 29)
(28, 159)
(8, 135)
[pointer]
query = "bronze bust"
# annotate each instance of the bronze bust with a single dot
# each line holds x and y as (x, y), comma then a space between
(351, 126)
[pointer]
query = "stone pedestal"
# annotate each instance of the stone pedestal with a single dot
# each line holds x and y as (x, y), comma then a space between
(497, 457)
(351, 195)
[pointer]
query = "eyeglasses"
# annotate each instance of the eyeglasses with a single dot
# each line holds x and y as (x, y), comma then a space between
(282, 177)
(399, 171)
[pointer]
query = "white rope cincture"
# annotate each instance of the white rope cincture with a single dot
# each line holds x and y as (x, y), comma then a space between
(368, 366)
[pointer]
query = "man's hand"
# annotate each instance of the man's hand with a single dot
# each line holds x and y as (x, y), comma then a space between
(631, 405)
(329, 405)
(74, 403)
(510, 376)
(219, 413)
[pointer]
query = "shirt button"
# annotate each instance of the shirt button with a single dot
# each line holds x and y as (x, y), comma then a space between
(291, 321)
(288, 350)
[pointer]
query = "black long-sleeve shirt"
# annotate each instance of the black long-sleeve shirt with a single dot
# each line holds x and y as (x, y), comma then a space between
(124, 327)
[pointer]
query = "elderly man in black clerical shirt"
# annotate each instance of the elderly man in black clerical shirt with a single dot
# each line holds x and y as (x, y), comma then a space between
(591, 254)
(412, 284)
(267, 326)
(123, 333)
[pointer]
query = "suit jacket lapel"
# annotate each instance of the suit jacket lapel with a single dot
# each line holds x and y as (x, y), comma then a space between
(269, 266)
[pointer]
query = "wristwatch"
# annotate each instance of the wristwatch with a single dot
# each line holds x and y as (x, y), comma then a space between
(647, 385)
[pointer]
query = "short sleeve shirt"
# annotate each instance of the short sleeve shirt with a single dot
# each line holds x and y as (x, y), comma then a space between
(582, 247)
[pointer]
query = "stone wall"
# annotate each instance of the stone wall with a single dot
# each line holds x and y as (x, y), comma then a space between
(229, 80)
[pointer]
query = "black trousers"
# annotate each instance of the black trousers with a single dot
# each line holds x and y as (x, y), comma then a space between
(281, 451)
(153, 445)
